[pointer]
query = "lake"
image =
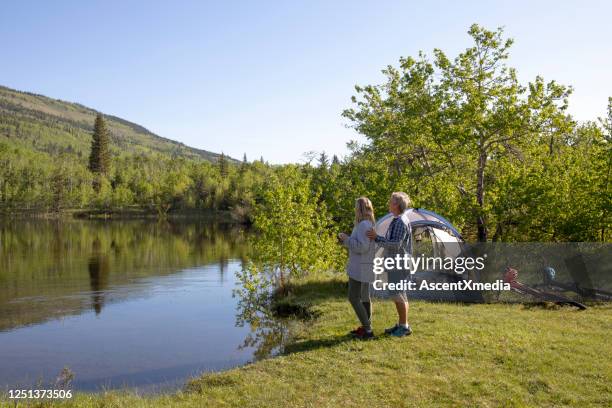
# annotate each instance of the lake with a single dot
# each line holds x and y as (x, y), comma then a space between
(141, 304)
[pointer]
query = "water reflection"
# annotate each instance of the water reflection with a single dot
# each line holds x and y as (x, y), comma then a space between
(121, 303)
(268, 336)
(46, 260)
(98, 267)
(268, 333)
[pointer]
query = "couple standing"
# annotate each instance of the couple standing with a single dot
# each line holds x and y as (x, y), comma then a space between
(362, 245)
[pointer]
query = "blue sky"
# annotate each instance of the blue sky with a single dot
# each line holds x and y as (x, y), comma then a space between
(272, 78)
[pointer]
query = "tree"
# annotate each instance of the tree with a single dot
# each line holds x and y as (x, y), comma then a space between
(606, 169)
(244, 164)
(223, 170)
(99, 159)
(446, 130)
(60, 185)
(323, 161)
(294, 235)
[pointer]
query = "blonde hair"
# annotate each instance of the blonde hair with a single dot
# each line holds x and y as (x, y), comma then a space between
(364, 210)
(402, 200)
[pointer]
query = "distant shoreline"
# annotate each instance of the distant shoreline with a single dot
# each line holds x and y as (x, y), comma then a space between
(225, 217)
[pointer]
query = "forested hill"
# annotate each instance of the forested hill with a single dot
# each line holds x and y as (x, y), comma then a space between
(52, 126)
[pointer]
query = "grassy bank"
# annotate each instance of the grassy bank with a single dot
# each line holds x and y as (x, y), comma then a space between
(459, 355)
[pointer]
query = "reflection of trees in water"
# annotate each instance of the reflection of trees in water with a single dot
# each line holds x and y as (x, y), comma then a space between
(98, 267)
(57, 244)
(268, 336)
(223, 264)
(55, 260)
(269, 333)
(37, 250)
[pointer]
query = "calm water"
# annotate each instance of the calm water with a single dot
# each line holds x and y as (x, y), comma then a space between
(121, 303)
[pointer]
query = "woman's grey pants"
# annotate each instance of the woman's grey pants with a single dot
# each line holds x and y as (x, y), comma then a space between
(359, 296)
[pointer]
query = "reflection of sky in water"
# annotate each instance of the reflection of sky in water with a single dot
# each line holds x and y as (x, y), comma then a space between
(150, 331)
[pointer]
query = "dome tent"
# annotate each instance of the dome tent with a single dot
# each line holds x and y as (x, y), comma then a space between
(427, 226)
(432, 236)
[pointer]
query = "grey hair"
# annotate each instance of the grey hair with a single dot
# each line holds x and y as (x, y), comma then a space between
(402, 200)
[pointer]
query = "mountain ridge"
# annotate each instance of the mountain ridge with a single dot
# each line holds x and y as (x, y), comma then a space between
(53, 125)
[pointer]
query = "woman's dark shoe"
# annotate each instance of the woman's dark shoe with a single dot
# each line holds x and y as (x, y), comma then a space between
(357, 332)
(365, 335)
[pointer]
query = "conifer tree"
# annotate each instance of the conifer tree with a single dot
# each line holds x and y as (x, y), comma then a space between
(244, 164)
(99, 159)
(223, 165)
(323, 161)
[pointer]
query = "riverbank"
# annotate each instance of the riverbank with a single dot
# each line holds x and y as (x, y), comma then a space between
(125, 214)
(459, 355)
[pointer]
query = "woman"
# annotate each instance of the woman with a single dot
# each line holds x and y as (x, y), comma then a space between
(359, 268)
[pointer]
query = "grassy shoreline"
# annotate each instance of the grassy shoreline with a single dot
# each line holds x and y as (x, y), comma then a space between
(459, 355)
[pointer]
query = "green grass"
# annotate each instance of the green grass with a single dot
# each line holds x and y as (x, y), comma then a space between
(458, 355)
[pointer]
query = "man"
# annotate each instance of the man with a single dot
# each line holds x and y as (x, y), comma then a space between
(397, 241)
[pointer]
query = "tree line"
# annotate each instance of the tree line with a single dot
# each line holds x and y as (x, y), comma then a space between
(503, 160)
(39, 181)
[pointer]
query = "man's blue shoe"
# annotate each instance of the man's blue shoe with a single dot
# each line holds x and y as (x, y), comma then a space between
(391, 329)
(401, 331)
